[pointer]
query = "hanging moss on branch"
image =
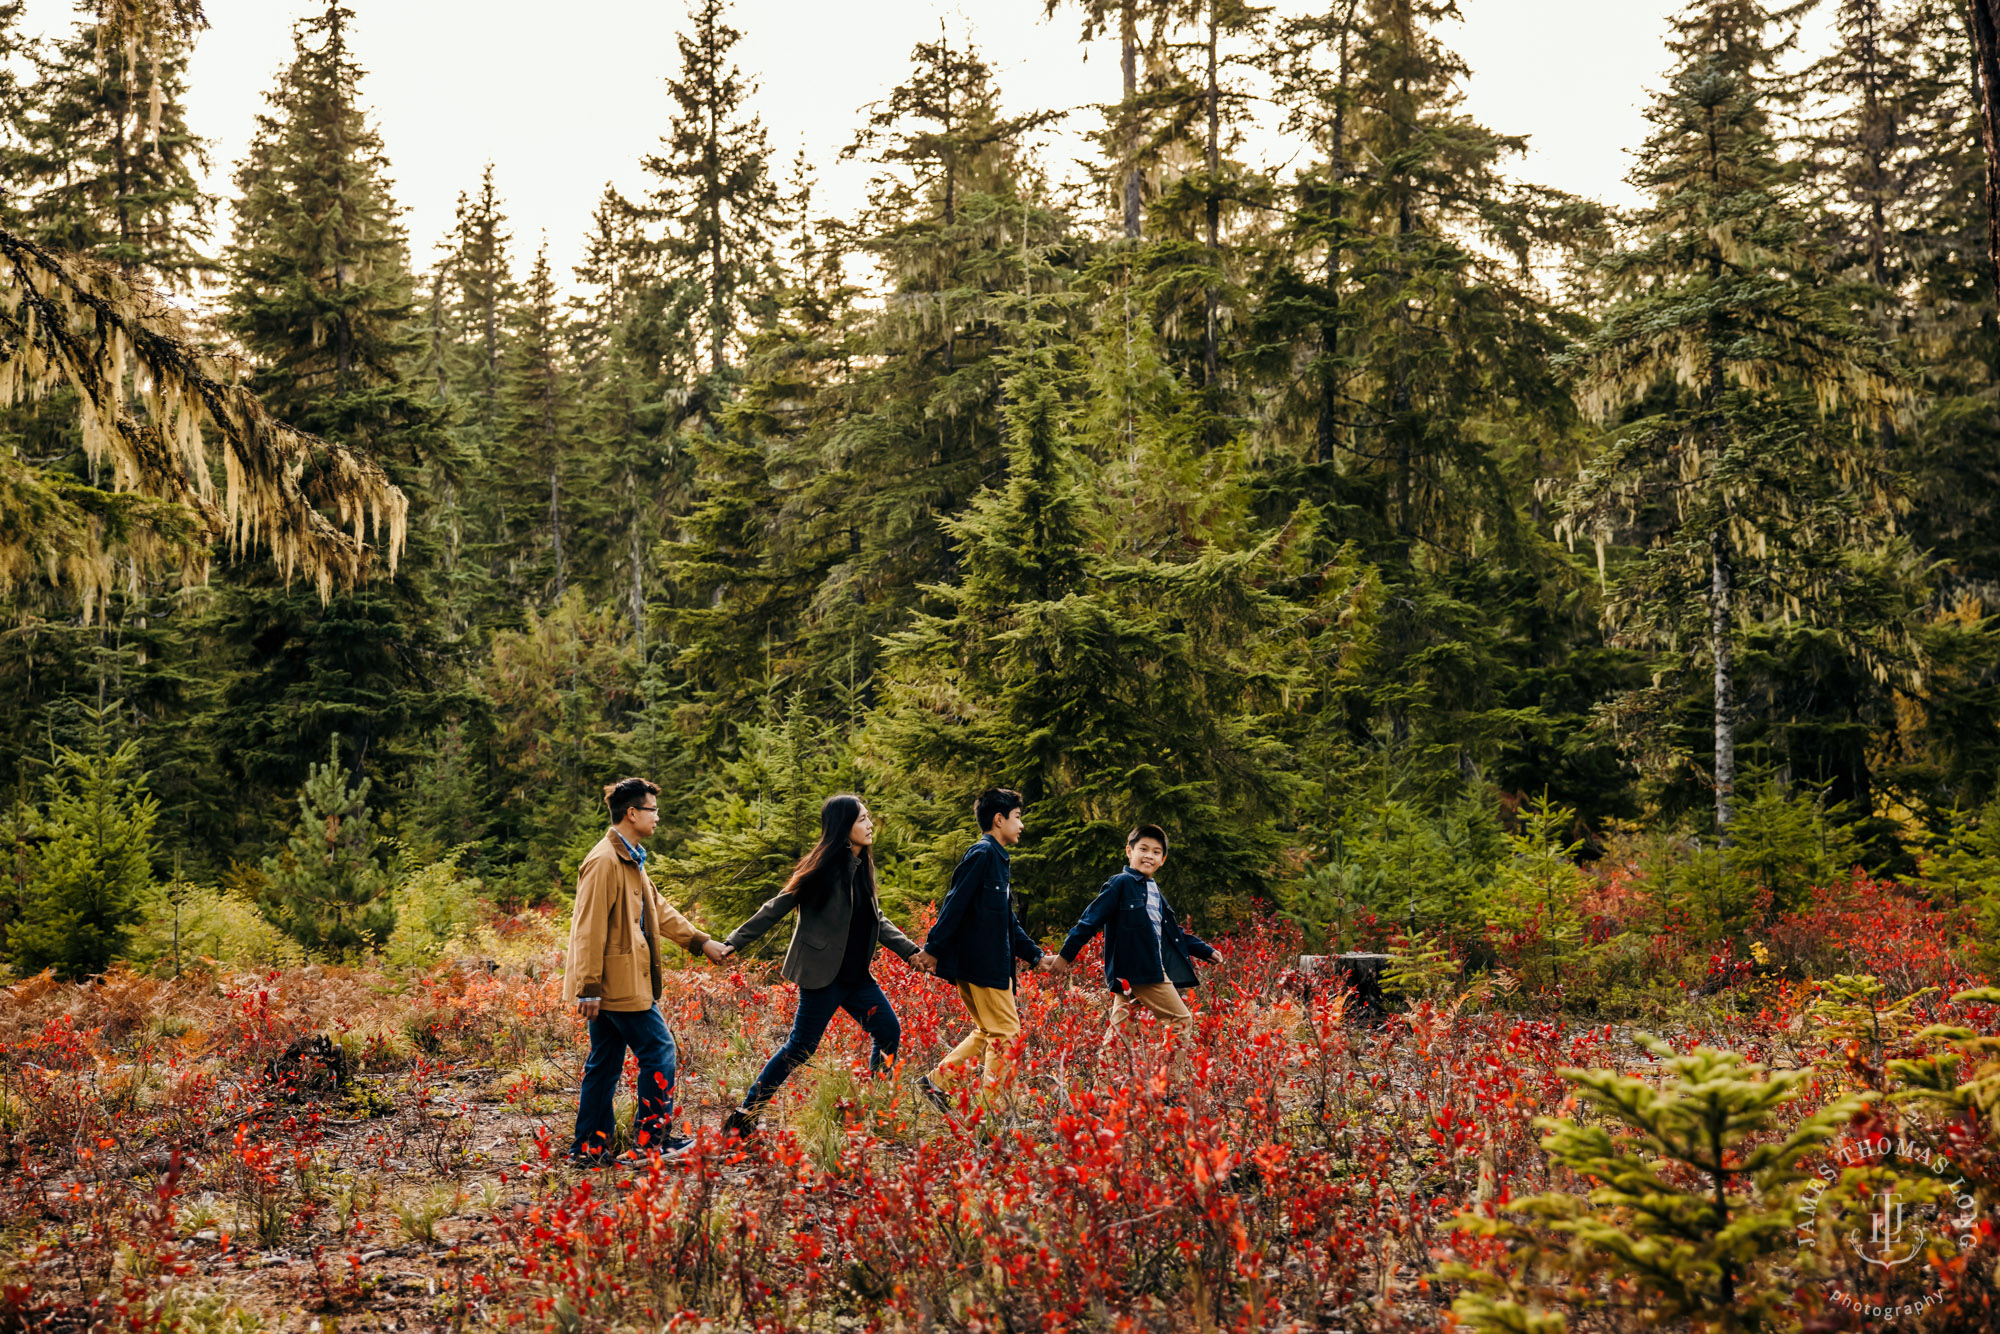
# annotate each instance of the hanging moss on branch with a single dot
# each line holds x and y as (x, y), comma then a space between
(148, 398)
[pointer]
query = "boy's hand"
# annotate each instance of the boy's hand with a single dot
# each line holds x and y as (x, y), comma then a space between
(715, 950)
(924, 962)
(1054, 963)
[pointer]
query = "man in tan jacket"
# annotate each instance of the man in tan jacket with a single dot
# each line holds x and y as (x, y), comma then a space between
(613, 975)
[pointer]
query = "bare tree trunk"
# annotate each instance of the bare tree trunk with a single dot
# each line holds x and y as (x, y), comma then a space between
(1214, 200)
(1128, 65)
(1720, 619)
(1329, 332)
(1982, 19)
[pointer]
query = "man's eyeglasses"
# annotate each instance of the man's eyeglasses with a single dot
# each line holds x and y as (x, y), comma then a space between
(644, 809)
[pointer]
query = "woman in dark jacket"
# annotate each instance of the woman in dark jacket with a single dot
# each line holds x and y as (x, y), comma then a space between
(840, 923)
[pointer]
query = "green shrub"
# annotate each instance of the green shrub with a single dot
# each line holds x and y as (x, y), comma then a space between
(1421, 870)
(181, 924)
(94, 864)
(436, 907)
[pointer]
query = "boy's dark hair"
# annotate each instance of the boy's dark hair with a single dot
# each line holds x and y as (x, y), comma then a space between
(1152, 831)
(993, 803)
(626, 793)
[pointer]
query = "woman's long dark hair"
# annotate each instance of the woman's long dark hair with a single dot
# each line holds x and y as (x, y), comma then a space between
(818, 871)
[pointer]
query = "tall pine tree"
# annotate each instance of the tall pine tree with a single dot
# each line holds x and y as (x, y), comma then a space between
(1748, 465)
(321, 299)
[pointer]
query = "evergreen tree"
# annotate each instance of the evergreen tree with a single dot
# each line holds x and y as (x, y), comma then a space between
(527, 485)
(1402, 354)
(445, 805)
(961, 238)
(1132, 135)
(106, 165)
(1746, 487)
(321, 300)
(481, 293)
(329, 886)
(753, 549)
(1692, 1215)
(94, 863)
(632, 369)
(714, 191)
(1105, 690)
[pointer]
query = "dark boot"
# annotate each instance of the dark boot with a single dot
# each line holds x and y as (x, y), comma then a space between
(742, 1123)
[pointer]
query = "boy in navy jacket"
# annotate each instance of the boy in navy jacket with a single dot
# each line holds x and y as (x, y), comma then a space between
(1146, 953)
(975, 942)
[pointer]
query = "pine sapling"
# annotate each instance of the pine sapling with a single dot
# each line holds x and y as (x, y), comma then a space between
(1690, 1211)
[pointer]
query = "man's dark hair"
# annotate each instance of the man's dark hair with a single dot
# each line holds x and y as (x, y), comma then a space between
(993, 803)
(626, 793)
(1151, 831)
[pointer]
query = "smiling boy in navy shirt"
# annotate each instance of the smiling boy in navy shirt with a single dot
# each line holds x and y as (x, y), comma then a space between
(1146, 953)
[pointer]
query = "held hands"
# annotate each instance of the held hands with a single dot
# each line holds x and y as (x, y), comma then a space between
(924, 962)
(715, 951)
(1051, 962)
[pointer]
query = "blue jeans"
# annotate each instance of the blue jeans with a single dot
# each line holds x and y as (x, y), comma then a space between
(864, 1000)
(611, 1032)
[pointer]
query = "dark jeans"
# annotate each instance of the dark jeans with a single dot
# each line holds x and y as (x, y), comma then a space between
(864, 1000)
(611, 1033)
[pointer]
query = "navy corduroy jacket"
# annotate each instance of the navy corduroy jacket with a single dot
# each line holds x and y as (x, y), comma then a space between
(977, 937)
(1133, 955)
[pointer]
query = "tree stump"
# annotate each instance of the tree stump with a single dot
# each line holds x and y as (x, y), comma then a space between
(313, 1067)
(1359, 974)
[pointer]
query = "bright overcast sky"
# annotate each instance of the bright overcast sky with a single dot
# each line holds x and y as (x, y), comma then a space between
(564, 97)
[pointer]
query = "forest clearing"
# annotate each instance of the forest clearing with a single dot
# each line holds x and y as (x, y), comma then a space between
(169, 1168)
(1286, 543)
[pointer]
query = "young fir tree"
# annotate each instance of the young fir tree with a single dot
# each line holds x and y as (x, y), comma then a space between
(714, 192)
(106, 165)
(94, 862)
(1106, 691)
(445, 804)
(1751, 466)
(329, 886)
(1689, 1221)
(320, 298)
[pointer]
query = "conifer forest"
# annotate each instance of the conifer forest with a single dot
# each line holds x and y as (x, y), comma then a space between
(1582, 616)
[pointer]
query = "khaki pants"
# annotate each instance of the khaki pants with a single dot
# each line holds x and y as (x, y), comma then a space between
(1162, 998)
(996, 1023)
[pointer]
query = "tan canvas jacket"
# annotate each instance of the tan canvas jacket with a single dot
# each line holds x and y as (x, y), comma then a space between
(612, 955)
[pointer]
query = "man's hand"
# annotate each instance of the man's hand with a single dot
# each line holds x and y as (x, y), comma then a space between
(1052, 962)
(716, 951)
(924, 962)
(588, 1006)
